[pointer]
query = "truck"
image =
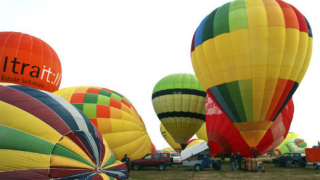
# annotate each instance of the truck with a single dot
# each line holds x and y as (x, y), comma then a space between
(295, 159)
(313, 157)
(160, 160)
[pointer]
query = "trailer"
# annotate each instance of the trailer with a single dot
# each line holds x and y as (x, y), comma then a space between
(313, 157)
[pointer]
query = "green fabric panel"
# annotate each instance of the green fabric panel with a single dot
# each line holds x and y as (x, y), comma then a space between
(79, 106)
(247, 98)
(65, 152)
(207, 32)
(238, 15)
(234, 90)
(104, 100)
(221, 21)
(90, 110)
(105, 93)
(90, 98)
(116, 97)
(17, 140)
(110, 161)
(223, 89)
(178, 81)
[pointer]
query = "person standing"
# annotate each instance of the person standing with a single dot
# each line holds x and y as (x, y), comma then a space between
(232, 161)
(239, 160)
(126, 160)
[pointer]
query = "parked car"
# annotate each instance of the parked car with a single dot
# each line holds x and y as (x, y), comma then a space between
(160, 160)
(288, 159)
(199, 162)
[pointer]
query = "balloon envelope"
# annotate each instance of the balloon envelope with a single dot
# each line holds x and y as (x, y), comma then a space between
(114, 116)
(202, 133)
(166, 135)
(44, 137)
(225, 138)
(293, 143)
(179, 102)
(28, 61)
(250, 56)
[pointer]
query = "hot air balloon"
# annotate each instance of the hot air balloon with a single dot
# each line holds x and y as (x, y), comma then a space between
(114, 116)
(28, 61)
(251, 56)
(179, 102)
(154, 149)
(168, 150)
(45, 137)
(202, 133)
(194, 142)
(293, 143)
(225, 138)
(166, 135)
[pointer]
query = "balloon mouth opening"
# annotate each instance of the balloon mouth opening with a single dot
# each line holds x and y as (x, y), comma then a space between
(98, 169)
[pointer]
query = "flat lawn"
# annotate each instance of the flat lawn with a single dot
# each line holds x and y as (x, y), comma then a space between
(186, 173)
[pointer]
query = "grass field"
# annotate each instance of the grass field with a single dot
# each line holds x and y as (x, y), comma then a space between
(272, 172)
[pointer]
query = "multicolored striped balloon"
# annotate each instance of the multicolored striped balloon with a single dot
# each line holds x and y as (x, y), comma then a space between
(225, 138)
(29, 61)
(42, 136)
(251, 56)
(114, 116)
(179, 101)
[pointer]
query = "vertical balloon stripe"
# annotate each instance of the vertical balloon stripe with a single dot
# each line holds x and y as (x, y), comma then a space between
(30, 104)
(198, 34)
(91, 145)
(207, 32)
(221, 21)
(238, 15)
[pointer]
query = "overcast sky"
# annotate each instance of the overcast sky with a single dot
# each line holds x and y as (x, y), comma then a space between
(129, 45)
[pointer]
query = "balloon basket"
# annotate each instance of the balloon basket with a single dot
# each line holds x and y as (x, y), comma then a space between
(254, 165)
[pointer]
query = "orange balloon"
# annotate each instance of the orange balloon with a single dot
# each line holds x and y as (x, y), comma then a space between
(28, 61)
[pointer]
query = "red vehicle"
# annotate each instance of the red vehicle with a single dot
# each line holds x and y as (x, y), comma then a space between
(160, 160)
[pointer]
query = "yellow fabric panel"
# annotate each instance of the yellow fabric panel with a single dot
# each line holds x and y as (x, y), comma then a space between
(66, 97)
(11, 160)
(66, 162)
(68, 143)
(212, 64)
(225, 58)
(252, 137)
(247, 126)
(117, 162)
(202, 133)
(274, 13)
(104, 125)
(193, 143)
(66, 91)
(200, 67)
(306, 61)
(13, 118)
(82, 89)
(167, 136)
(291, 47)
(181, 128)
(122, 125)
(300, 57)
(256, 14)
(125, 108)
(115, 113)
(107, 152)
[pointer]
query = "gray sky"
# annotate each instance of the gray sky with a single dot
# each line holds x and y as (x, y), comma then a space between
(128, 46)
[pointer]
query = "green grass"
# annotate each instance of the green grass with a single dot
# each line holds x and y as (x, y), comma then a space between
(186, 173)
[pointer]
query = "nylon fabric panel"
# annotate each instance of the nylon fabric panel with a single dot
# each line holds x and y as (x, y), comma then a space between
(202, 133)
(221, 23)
(167, 136)
(238, 15)
(13, 139)
(69, 144)
(20, 160)
(61, 161)
(30, 174)
(20, 120)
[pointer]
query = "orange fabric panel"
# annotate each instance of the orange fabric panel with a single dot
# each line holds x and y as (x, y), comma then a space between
(103, 111)
(115, 103)
(93, 90)
(77, 98)
(289, 15)
(313, 154)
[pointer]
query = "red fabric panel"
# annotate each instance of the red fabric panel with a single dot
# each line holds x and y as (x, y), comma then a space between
(77, 98)
(30, 174)
(93, 90)
(302, 21)
(57, 172)
(115, 103)
(96, 177)
(289, 15)
(103, 111)
(313, 154)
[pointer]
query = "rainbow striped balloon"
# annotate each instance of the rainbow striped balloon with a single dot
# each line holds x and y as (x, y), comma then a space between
(250, 56)
(42, 136)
